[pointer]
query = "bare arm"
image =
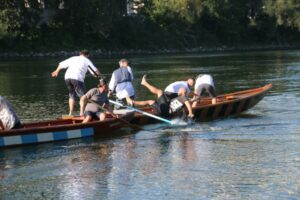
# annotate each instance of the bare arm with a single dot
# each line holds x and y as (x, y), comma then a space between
(194, 96)
(92, 69)
(56, 72)
(189, 107)
(98, 72)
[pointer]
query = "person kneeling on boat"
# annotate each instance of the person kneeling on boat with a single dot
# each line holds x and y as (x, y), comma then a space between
(163, 105)
(95, 103)
(8, 117)
(205, 83)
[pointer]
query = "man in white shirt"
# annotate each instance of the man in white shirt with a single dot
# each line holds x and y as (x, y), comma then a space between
(121, 81)
(77, 67)
(205, 83)
(8, 117)
(171, 90)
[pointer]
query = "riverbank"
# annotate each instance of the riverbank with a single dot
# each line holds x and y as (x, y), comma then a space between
(131, 52)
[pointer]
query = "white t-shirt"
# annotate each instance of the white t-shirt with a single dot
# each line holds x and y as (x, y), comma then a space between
(8, 116)
(77, 67)
(174, 87)
(204, 79)
(124, 89)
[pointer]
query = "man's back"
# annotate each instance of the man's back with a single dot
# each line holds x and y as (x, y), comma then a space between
(204, 79)
(121, 81)
(123, 74)
(77, 67)
(174, 87)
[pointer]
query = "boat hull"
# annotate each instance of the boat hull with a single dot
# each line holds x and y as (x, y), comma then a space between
(227, 105)
(61, 129)
(227, 108)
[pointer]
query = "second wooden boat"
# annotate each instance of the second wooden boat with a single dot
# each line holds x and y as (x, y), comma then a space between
(62, 129)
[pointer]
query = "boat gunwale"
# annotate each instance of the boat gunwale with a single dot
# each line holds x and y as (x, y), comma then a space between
(59, 127)
(254, 91)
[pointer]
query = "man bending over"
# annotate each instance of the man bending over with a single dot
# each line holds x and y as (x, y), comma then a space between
(172, 89)
(205, 83)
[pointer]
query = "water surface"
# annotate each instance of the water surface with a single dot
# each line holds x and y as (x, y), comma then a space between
(252, 156)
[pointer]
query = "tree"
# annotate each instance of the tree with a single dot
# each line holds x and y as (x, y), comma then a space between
(286, 12)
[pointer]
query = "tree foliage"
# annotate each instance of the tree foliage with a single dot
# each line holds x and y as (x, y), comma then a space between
(286, 12)
(69, 24)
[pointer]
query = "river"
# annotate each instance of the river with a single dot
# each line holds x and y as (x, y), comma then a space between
(255, 155)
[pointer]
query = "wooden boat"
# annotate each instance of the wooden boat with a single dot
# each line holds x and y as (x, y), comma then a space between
(227, 104)
(62, 129)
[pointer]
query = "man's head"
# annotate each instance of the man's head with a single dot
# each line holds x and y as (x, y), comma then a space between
(84, 53)
(102, 85)
(190, 82)
(123, 62)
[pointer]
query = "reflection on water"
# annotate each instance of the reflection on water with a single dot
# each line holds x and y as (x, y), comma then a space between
(251, 156)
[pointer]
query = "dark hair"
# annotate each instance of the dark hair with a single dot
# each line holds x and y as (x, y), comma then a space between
(190, 78)
(84, 52)
(124, 60)
(102, 82)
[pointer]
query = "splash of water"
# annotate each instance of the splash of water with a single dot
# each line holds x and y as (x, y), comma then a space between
(179, 122)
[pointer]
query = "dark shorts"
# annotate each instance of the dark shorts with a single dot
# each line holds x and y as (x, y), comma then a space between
(94, 115)
(75, 87)
(206, 88)
(171, 95)
(162, 105)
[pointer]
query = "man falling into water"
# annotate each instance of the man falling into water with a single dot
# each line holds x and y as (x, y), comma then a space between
(163, 105)
(77, 67)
